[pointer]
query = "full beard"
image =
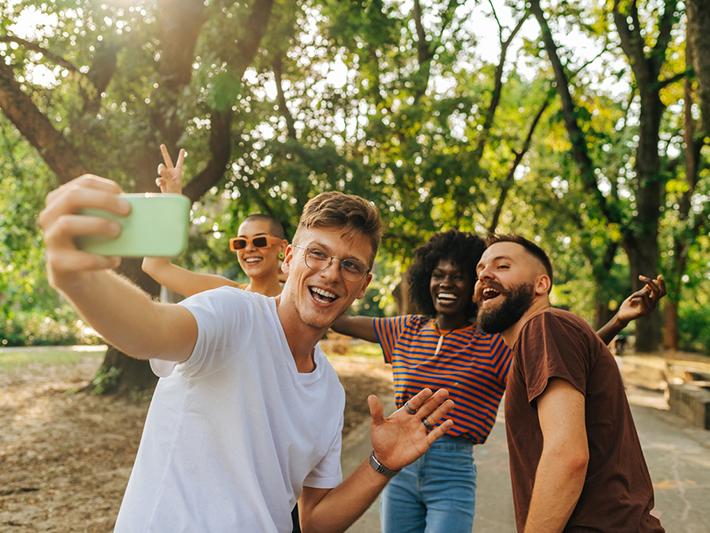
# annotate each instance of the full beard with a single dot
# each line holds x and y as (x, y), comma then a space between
(516, 302)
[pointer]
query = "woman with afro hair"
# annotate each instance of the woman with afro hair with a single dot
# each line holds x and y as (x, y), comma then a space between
(441, 347)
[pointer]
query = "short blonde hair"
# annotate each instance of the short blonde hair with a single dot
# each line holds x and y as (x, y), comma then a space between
(335, 209)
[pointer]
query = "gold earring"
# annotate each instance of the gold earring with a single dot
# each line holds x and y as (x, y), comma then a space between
(282, 256)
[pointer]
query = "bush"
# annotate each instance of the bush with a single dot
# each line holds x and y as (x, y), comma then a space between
(694, 327)
(35, 328)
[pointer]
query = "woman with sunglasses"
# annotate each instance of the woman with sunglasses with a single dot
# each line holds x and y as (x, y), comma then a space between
(259, 246)
(442, 348)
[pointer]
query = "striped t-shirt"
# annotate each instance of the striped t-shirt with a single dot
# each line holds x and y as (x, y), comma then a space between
(471, 365)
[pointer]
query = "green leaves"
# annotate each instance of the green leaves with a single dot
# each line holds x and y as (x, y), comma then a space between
(223, 90)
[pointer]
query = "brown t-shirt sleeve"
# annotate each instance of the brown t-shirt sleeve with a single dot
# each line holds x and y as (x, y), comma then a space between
(553, 348)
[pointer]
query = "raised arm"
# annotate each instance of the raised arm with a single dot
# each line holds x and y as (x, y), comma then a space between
(121, 312)
(638, 304)
(181, 280)
(397, 440)
(360, 327)
(563, 463)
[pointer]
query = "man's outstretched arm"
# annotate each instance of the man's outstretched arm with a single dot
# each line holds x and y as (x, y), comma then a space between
(397, 440)
(121, 312)
(638, 304)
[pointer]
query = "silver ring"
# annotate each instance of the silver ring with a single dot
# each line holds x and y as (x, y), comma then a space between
(409, 409)
(427, 424)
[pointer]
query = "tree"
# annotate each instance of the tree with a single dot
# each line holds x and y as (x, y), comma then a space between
(640, 231)
(688, 223)
(102, 80)
(699, 43)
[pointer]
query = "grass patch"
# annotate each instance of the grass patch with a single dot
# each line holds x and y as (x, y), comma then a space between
(354, 349)
(16, 359)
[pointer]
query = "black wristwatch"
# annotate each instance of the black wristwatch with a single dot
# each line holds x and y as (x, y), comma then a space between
(380, 468)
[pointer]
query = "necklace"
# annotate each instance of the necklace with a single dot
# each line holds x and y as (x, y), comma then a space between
(442, 336)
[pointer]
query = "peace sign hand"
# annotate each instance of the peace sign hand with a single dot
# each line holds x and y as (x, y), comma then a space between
(406, 434)
(169, 176)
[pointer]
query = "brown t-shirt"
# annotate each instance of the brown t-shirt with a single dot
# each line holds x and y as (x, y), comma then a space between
(617, 495)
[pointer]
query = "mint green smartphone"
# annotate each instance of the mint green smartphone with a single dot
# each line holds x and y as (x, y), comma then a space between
(156, 227)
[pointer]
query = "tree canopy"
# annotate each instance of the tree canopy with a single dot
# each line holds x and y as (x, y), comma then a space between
(582, 125)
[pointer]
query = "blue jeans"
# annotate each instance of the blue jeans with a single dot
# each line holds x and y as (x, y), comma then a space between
(435, 494)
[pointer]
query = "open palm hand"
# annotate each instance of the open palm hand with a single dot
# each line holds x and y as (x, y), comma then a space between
(402, 437)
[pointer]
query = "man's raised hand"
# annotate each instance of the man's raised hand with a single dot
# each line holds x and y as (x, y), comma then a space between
(404, 436)
(643, 301)
(170, 176)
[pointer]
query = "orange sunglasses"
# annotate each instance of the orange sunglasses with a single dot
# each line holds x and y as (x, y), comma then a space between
(262, 241)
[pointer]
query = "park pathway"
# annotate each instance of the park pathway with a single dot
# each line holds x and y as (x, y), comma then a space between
(678, 457)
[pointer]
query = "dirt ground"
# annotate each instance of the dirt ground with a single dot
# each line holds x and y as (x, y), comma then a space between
(65, 456)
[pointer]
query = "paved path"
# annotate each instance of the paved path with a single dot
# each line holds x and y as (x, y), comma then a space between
(678, 458)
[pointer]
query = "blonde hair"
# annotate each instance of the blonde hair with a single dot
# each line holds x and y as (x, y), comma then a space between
(335, 209)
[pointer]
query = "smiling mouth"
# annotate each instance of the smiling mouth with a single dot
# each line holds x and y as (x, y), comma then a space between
(253, 260)
(447, 297)
(489, 294)
(322, 296)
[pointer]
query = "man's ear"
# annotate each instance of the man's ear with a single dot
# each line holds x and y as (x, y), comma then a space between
(542, 284)
(365, 283)
(286, 263)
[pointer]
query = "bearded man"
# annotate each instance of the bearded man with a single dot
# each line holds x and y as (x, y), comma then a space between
(575, 459)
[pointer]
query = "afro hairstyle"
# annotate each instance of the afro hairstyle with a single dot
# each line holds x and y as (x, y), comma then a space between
(462, 248)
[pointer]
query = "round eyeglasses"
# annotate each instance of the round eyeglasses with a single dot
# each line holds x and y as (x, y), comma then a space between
(317, 259)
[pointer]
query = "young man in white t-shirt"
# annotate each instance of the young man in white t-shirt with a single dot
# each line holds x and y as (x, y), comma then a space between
(252, 414)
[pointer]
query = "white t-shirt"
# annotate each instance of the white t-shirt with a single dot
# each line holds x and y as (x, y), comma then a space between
(235, 432)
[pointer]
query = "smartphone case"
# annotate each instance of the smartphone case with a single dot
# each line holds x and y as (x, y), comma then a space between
(156, 227)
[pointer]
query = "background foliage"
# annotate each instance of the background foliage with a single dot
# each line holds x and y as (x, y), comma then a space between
(443, 113)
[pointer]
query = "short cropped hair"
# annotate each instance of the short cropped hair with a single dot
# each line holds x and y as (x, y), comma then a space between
(276, 227)
(461, 248)
(335, 209)
(532, 248)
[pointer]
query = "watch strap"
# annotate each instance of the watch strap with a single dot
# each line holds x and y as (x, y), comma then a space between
(380, 468)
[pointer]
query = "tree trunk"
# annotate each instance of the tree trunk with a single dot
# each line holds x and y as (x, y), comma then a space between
(601, 267)
(643, 259)
(401, 296)
(642, 246)
(602, 314)
(670, 325)
(699, 40)
(120, 374)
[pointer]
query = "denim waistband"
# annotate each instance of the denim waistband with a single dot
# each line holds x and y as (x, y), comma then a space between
(452, 443)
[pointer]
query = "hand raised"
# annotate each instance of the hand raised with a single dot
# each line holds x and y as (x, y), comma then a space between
(61, 224)
(401, 438)
(170, 177)
(644, 300)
